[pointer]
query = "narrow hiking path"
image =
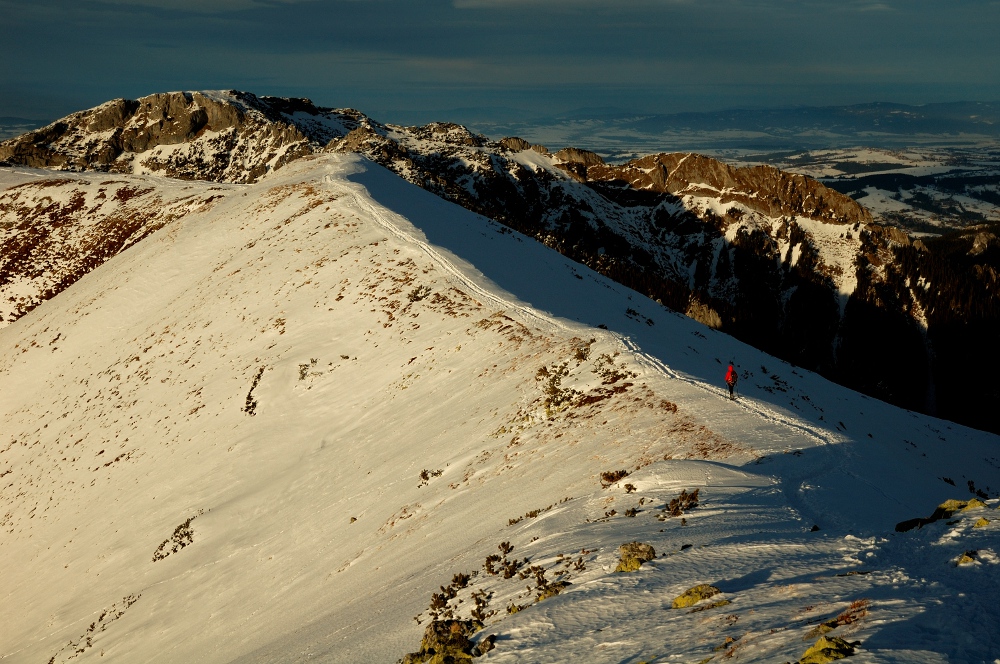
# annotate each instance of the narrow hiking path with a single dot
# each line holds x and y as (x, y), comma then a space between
(392, 223)
(826, 455)
(747, 403)
(830, 454)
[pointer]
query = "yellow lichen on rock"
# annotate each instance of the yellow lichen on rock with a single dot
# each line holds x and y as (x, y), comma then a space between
(827, 649)
(983, 521)
(692, 596)
(632, 555)
(951, 507)
(628, 565)
(945, 510)
(820, 630)
(967, 558)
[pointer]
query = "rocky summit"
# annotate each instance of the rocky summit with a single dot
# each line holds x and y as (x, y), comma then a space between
(219, 136)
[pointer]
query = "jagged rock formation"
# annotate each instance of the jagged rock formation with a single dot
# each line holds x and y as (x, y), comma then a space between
(778, 260)
(225, 137)
(764, 189)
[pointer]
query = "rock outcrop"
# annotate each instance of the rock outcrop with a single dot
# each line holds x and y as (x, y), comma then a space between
(945, 510)
(221, 136)
(695, 594)
(632, 555)
(448, 642)
(763, 189)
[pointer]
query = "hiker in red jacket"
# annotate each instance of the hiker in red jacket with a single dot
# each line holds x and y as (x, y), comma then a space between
(731, 379)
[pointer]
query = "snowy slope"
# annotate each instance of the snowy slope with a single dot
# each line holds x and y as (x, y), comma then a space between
(56, 228)
(214, 449)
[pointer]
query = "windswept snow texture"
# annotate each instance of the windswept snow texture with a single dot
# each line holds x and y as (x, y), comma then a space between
(273, 428)
(56, 228)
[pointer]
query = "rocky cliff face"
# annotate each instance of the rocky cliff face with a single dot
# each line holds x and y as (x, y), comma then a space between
(763, 189)
(220, 136)
(776, 259)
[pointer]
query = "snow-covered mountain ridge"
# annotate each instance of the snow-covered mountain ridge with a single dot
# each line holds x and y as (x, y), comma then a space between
(777, 260)
(270, 430)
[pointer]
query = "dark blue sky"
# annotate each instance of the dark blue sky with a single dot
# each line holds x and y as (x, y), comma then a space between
(413, 60)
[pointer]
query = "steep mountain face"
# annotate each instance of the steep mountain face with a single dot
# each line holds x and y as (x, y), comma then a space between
(763, 189)
(777, 260)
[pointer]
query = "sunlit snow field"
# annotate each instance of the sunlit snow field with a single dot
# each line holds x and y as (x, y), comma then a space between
(273, 428)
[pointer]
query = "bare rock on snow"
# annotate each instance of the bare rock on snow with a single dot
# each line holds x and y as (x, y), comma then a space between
(827, 649)
(695, 594)
(632, 555)
(945, 510)
(447, 641)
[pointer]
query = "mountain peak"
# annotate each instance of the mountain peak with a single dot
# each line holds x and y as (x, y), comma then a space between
(225, 136)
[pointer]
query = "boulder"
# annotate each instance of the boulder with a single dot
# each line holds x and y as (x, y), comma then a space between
(632, 555)
(827, 649)
(693, 595)
(447, 642)
(968, 557)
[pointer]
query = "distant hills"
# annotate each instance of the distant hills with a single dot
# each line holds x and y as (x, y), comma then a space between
(13, 126)
(881, 124)
(619, 132)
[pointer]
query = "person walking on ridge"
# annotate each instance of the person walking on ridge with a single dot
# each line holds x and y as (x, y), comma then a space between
(731, 379)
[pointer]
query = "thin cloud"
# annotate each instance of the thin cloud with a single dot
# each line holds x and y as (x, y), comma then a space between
(875, 7)
(548, 4)
(202, 6)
